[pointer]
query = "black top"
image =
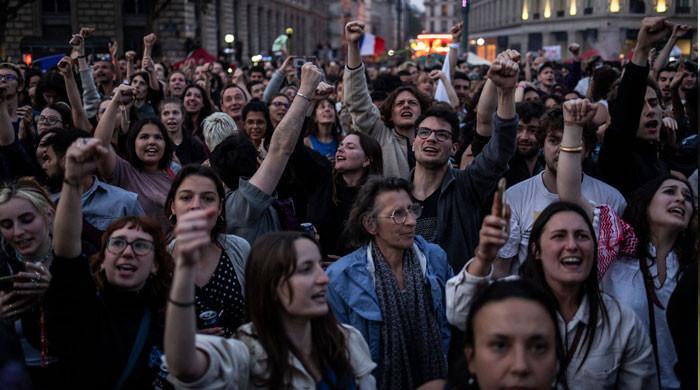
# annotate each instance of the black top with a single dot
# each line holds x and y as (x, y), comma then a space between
(94, 330)
(426, 225)
(223, 296)
(191, 150)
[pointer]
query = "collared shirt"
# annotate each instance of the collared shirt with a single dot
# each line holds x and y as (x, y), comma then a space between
(102, 204)
(620, 356)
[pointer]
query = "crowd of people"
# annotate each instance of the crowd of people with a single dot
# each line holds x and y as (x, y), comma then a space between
(311, 224)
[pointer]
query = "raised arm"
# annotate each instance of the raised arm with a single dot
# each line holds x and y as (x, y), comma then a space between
(440, 76)
(185, 361)
(130, 57)
(676, 82)
(80, 118)
(147, 61)
(91, 97)
(287, 133)
(81, 160)
(661, 61)
(7, 133)
(276, 81)
(105, 128)
(577, 113)
(113, 47)
(488, 102)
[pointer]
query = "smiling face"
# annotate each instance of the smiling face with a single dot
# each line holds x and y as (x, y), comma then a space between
(406, 110)
(350, 156)
(671, 206)
(303, 295)
(254, 126)
(233, 101)
(24, 228)
(177, 84)
(197, 193)
(126, 269)
(566, 249)
(193, 100)
(514, 346)
(171, 116)
(150, 145)
(386, 233)
(102, 72)
(431, 152)
(650, 120)
(278, 108)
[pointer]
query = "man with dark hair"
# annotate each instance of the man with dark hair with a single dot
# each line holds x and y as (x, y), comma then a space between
(545, 78)
(526, 161)
(101, 203)
(256, 89)
(664, 81)
(452, 198)
(529, 197)
(103, 74)
(257, 73)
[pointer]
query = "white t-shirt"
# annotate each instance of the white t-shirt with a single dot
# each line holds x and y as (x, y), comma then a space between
(528, 198)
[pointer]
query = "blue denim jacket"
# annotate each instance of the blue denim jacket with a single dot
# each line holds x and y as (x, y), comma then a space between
(353, 298)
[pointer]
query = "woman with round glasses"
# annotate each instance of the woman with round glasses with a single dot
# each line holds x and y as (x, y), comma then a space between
(106, 313)
(392, 289)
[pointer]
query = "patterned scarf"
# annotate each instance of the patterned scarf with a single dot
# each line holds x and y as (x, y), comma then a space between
(411, 349)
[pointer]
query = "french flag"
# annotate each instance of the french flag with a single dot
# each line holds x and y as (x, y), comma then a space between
(371, 45)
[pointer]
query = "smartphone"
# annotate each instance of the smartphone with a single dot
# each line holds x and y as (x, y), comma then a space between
(7, 283)
(502, 193)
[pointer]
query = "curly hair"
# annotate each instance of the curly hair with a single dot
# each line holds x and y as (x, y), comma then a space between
(388, 104)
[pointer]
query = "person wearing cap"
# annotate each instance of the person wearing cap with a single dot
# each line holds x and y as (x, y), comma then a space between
(545, 78)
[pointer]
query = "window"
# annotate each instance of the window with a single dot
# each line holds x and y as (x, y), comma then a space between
(637, 7)
(536, 7)
(134, 7)
(683, 6)
(561, 8)
(443, 10)
(432, 26)
(55, 6)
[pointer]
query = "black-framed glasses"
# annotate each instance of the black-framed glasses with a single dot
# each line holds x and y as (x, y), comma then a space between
(399, 215)
(140, 246)
(440, 135)
(48, 119)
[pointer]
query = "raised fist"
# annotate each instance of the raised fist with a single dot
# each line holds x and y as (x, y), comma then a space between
(354, 31)
(150, 39)
(578, 112)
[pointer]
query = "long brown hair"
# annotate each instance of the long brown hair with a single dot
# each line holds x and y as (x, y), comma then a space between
(271, 263)
(157, 286)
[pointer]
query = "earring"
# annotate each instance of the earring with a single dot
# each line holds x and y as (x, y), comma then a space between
(172, 219)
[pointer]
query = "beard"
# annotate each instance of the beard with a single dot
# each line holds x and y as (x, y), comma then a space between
(528, 154)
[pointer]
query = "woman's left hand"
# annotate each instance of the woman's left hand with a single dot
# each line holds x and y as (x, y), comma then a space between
(33, 281)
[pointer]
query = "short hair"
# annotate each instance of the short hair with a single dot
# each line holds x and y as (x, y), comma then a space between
(545, 65)
(387, 107)
(527, 111)
(233, 158)
(461, 76)
(258, 106)
(445, 112)
(217, 127)
(551, 121)
(133, 133)
(365, 206)
(18, 73)
(63, 139)
(172, 100)
(245, 93)
(253, 83)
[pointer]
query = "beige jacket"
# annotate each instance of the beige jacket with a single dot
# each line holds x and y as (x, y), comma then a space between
(367, 119)
(234, 362)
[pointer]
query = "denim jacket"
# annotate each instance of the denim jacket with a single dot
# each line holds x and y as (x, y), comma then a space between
(353, 298)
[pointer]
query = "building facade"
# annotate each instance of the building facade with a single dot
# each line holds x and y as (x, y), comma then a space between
(607, 26)
(440, 15)
(45, 26)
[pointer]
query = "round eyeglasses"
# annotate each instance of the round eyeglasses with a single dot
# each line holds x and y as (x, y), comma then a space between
(399, 215)
(117, 245)
(440, 135)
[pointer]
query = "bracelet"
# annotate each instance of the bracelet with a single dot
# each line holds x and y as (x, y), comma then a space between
(303, 96)
(180, 304)
(75, 184)
(571, 149)
(479, 255)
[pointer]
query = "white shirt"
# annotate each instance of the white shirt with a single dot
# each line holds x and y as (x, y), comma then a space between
(528, 198)
(625, 282)
(621, 353)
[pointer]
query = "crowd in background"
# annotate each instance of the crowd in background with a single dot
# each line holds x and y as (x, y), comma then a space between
(306, 223)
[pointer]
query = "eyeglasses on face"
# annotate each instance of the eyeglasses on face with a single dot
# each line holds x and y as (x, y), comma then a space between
(280, 104)
(48, 119)
(400, 215)
(440, 135)
(7, 77)
(117, 245)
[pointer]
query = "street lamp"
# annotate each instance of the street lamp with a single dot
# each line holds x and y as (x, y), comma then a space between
(229, 38)
(480, 41)
(661, 6)
(228, 50)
